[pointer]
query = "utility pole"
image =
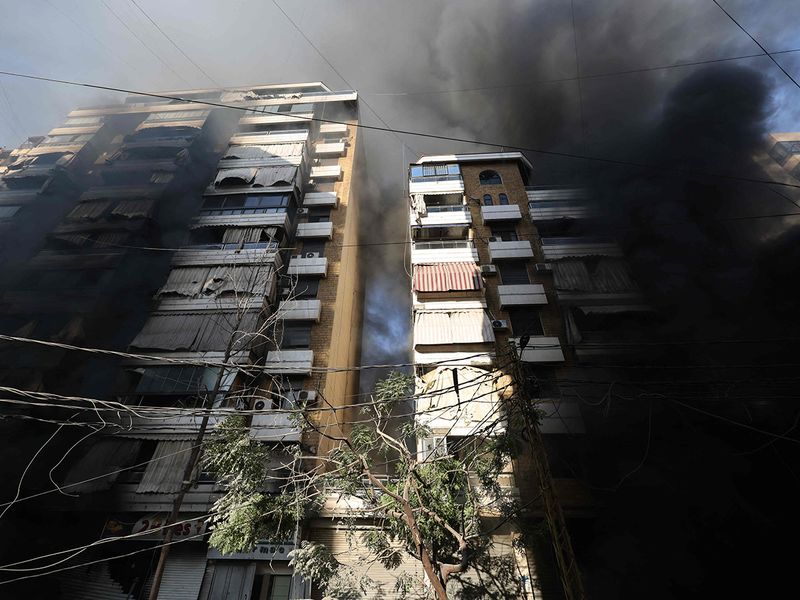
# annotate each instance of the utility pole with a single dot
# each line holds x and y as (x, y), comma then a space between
(562, 543)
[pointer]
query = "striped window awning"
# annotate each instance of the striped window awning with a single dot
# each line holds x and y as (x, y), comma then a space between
(447, 277)
(452, 327)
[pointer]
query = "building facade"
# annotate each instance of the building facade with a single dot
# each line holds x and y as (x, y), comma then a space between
(216, 249)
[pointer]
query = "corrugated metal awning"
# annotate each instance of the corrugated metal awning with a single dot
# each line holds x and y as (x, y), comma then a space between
(452, 327)
(197, 332)
(447, 277)
(164, 473)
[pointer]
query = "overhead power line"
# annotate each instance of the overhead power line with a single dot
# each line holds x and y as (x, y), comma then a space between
(178, 48)
(584, 77)
(143, 43)
(505, 145)
(756, 42)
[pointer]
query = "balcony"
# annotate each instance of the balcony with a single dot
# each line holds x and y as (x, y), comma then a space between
(267, 137)
(315, 230)
(546, 204)
(278, 219)
(333, 172)
(320, 199)
(167, 427)
(277, 118)
(521, 295)
(566, 247)
(443, 251)
(329, 149)
(443, 216)
(443, 184)
(300, 310)
(316, 265)
(500, 249)
(200, 257)
(289, 362)
(333, 129)
(504, 212)
(274, 427)
(541, 349)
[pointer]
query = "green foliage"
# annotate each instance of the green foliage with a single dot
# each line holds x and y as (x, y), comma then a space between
(315, 562)
(248, 513)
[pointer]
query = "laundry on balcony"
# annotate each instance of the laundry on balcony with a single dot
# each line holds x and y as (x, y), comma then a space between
(447, 277)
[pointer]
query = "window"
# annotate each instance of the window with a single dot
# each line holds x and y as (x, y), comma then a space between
(513, 272)
(507, 233)
(503, 200)
(178, 115)
(489, 178)
(451, 171)
(295, 336)
(244, 204)
(6, 212)
(525, 321)
(306, 288)
(177, 380)
(487, 200)
(319, 215)
(83, 121)
(313, 247)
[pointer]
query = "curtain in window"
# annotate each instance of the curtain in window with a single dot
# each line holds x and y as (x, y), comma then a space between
(571, 275)
(185, 282)
(103, 458)
(133, 208)
(243, 176)
(164, 473)
(452, 327)
(241, 235)
(269, 176)
(88, 210)
(263, 151)
(612, 276)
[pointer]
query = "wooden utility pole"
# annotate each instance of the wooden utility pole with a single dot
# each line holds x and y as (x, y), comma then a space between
(562, 542)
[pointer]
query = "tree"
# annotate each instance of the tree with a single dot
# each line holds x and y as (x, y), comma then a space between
(430, 508)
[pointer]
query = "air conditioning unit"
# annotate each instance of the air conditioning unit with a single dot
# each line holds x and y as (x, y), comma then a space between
(311, 255)
(302, 211)
(488, 270)
(305, 396)
(500, 324)
(296, 256)
(494, 239)
(260, 405)
(544, 268)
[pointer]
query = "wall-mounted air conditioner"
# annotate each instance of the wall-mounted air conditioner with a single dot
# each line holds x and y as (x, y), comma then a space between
(303, 396)
(302, 211)
(495, 239)
(499, 324)
(296, 256)
(311, 255)
(544, 268)
(488, 270)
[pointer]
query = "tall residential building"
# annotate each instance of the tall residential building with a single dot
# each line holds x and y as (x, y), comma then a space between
(216, 247)
(482, 281)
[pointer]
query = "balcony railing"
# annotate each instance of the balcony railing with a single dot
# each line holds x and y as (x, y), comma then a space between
(443, 244)
(443, 251)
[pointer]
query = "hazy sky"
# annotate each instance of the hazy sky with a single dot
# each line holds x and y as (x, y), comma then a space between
(516, 61)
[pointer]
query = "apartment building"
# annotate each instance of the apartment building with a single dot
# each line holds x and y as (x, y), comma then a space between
(224, 241)
(488, 310)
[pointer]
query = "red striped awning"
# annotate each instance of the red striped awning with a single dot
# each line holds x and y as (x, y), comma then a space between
(447, 277)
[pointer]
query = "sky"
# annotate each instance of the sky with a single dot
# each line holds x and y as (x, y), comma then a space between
(576, 77)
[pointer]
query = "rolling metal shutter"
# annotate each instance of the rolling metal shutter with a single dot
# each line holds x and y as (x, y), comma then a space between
(183, 573)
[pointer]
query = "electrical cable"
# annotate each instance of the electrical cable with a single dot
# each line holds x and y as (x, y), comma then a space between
(143, 43)
(755, 41)
(599, 159)
(178, 48)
